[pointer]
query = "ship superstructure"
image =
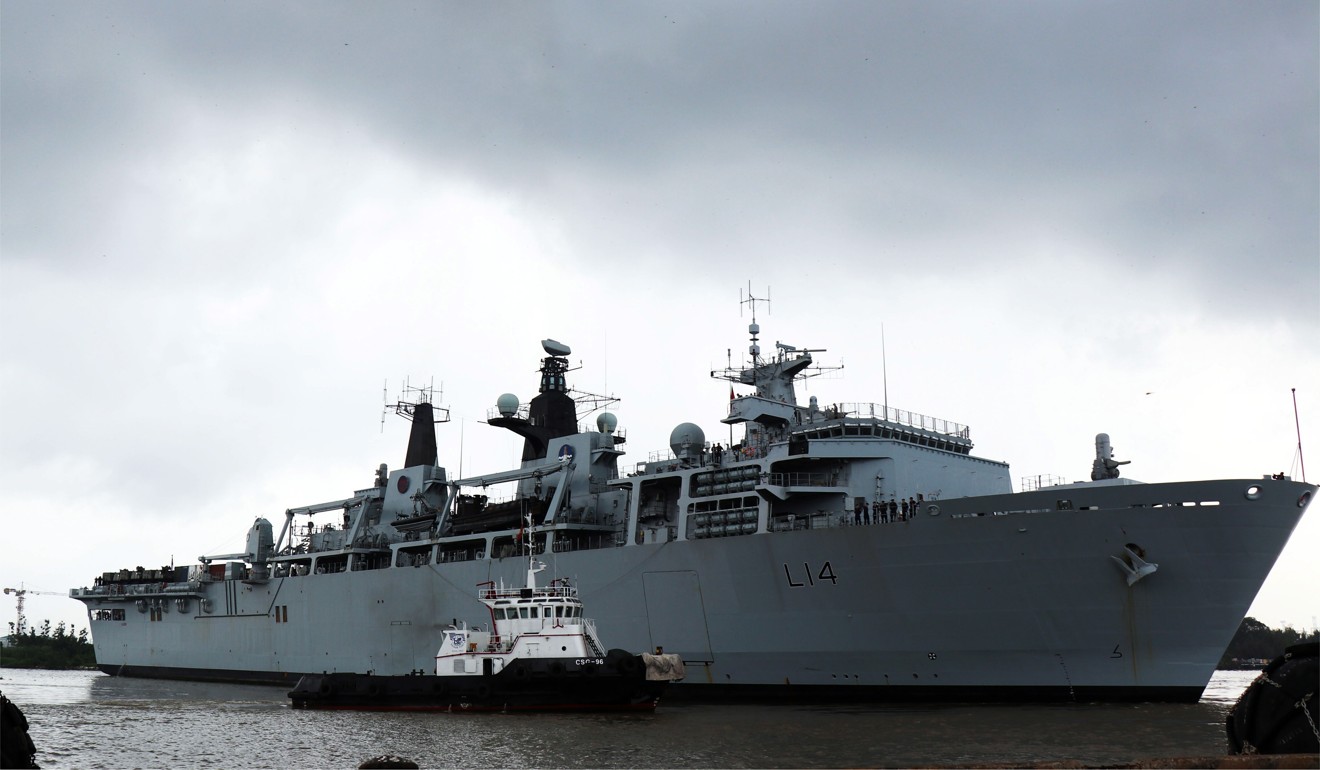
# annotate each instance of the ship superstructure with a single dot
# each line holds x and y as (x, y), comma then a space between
(837, 551)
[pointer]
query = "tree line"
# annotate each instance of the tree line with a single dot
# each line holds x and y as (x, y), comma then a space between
(1255, 642)
(59, 647)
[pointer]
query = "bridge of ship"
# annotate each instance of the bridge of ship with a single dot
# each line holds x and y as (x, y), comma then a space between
(765, 465)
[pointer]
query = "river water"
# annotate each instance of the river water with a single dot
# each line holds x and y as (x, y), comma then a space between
(83, 719)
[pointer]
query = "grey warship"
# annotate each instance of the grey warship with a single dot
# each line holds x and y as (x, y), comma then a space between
(846, 552)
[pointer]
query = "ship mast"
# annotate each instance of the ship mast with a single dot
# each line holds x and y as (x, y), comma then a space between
(533, 566)
(753, 328)
(1298, 423)
(772, 376)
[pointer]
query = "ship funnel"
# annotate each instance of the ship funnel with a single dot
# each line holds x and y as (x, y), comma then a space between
(533, 567)
(421, 441)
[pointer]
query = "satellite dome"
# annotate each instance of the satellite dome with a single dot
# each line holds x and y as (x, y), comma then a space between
(507, 405)
(685, 438)
(607, 422)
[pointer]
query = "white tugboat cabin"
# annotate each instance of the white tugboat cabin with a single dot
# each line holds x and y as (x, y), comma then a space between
(528, 622)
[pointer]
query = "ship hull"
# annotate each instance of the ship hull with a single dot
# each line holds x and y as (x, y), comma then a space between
(1004, 597)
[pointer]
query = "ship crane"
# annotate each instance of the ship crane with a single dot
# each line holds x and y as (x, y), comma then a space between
(19, 593)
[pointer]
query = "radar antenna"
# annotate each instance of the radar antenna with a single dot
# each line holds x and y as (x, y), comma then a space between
(750, 300)
(788, 363)
(410, 396)
(753, 328)
(590, 402)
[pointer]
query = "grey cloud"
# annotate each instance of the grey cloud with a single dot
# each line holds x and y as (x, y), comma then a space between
(1182, 134)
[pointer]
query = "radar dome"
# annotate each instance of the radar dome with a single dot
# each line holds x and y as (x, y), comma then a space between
(607, 422)
(507, 405)
(685, 438)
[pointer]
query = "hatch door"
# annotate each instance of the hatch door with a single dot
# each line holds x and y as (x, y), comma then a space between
(676, 614)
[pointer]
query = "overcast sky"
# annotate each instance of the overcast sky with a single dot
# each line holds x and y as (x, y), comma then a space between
(229, 228)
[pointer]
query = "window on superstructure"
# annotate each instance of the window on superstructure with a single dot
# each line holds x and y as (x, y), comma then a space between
(522, 612)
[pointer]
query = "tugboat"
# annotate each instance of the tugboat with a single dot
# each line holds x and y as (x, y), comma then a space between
(543, 655)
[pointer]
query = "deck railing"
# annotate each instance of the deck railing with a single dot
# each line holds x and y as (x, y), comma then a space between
(903, 417)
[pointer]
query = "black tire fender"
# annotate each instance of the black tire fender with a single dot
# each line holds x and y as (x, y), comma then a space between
(1275, 715)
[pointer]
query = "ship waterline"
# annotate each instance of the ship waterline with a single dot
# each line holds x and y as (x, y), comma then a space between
(781, 567)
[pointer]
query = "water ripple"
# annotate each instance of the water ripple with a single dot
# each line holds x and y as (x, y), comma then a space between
(87, 720)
